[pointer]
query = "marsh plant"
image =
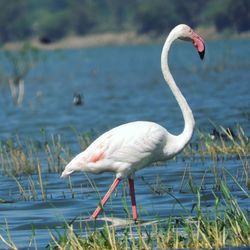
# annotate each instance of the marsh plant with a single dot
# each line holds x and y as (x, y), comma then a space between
(224, 144)
(18, 158)
(225, 224)
(29, 162)
(22, 158)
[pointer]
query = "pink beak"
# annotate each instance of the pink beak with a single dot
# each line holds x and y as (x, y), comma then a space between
(199, 44)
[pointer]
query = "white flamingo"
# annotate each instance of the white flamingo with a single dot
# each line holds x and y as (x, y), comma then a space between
(129, 147)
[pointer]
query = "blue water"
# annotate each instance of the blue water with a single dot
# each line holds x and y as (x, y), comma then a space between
(120, 84)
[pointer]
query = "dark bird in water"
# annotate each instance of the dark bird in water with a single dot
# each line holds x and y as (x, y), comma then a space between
(218, 135)
(77, 100)
(45, 40)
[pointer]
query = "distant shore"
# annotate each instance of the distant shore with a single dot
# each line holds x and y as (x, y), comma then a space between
(123, 38)
(90, 40)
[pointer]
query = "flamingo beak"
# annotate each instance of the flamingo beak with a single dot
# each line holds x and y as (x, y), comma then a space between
(199, 44)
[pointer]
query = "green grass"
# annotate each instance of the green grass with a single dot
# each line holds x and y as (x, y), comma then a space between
(225, 224)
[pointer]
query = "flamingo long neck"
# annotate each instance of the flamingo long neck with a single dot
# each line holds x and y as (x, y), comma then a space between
(185, 136)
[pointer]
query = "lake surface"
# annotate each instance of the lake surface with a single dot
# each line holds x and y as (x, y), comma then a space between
(120, 84)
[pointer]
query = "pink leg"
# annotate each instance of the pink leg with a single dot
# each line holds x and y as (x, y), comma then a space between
(132, 194)
(105, 198)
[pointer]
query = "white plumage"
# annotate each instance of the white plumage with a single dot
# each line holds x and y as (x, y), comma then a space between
(123, 150)
(132, 146)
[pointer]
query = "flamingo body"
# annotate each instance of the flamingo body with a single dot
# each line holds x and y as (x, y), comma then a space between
(125, 149)
(129, 147)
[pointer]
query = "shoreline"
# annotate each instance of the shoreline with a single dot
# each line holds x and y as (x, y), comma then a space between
(86, 41)
(117, 39)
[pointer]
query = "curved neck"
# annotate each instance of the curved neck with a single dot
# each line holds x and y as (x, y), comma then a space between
(187, 133)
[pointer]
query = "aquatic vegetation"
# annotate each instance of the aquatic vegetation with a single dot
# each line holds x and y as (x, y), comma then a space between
(8, 242)
(18, 158)
(31, 188)
(225, 144)
(22, 158)
(225, 224)
(55, 154)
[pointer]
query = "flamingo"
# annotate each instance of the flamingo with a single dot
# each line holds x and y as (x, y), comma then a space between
(127, 148)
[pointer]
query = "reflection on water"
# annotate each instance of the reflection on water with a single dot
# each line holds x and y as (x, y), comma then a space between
(121, 84)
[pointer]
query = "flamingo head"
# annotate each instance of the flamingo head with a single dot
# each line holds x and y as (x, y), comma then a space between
(184, 32)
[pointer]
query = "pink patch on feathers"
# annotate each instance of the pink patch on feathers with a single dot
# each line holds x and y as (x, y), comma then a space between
(98, 156)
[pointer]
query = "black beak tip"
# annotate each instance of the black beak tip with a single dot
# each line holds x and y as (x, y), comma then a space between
(202, 54)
